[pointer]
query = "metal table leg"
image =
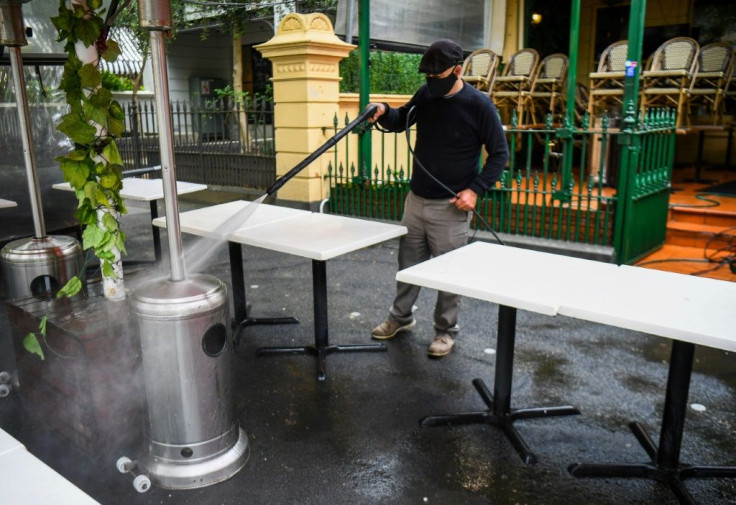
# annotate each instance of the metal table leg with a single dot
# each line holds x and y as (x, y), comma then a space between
(499, 412)
(321, 347)
(242, 319)
(665, 463)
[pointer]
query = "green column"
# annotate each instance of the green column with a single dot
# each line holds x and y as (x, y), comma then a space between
(628, 139)
(566, 132)
(364, 43)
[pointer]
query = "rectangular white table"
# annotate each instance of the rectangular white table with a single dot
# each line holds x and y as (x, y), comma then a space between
(25, 479)
(319, 237)
(689, 310)
(4, 204)
(515, 279)
(147, 190)
(686, 309)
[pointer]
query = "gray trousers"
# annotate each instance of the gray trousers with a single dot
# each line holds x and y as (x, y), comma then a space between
(434, 228)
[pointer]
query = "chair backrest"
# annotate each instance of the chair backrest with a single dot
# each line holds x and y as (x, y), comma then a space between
(553, 66)
(481, 63)
(523, 63)
(714, 57)
(613, 58)
(679, 53)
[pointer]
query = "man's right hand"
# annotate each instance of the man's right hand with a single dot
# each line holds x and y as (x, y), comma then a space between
(380, 111)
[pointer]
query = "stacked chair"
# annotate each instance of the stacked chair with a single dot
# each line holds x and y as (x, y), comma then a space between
(510, 89)
(606, 84)
(713, 72)
(480, 68)
(547, 91)
(667, 80)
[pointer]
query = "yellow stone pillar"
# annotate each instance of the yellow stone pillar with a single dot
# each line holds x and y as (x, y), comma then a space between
(305, 53)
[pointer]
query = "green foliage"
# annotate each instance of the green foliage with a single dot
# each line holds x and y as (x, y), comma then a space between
(113, 82)
(390, 72)
(93, 121)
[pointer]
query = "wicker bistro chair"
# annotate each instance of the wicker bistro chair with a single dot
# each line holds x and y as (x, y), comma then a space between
(547, 92)
(509, 89)
(480, 68)
(606, 84)
(667, 81)
(713, 71)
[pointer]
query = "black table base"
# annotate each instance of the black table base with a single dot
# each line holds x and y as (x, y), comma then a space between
(240, 304)
(499, 413)
(321, 347)
(665, 466)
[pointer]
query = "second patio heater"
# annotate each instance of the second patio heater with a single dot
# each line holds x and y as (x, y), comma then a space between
(194, 439)
(40, 264)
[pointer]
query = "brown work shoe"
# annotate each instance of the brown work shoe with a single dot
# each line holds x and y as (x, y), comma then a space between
(389, 329)
(441, 345)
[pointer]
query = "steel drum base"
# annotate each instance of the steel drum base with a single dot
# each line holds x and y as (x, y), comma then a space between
(170, 475)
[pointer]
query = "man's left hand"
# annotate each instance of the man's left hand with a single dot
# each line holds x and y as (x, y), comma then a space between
(465, 200)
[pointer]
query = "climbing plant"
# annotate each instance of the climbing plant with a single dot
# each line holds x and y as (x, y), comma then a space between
(93, 121)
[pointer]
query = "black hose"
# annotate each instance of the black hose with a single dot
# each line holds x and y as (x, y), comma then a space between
(367, 113)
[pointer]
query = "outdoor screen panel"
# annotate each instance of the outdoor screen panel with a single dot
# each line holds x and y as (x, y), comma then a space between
(419, 22)
(42, 44)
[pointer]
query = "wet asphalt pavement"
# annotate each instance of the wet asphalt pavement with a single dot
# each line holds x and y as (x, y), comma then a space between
(355, 438)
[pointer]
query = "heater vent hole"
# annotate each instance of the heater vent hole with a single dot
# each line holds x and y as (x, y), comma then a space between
(214, 340)
(43, 285)
(187, 452)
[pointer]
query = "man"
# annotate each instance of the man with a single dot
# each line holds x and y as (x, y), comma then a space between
(454, 121)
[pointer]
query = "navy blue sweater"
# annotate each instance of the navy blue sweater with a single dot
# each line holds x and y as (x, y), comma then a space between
(450, 134)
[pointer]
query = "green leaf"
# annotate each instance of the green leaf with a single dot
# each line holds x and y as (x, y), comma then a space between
(92, 236)
(115, 127)
(111, 154)
(102, 98)
(87, 30)
(94, 113)
(76, 129)
(116, 110)
(42, 324)
(31, 344)
(101, 197)
(76, 172)
(86, 214)
(109, 221)
(71, 288)
(109, 181)
(94, 4)
(107, 270)
(112, 51)
(89, 76)
(120, 241)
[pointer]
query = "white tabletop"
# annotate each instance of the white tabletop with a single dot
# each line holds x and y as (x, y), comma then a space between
(506, 275)
(222, 220)
(145, 190)
(684, 307)
(7, 203)
(292, 231)
(26, 479)
(318, 236)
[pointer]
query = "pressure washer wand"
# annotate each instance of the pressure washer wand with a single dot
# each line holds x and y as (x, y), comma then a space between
(309, 159)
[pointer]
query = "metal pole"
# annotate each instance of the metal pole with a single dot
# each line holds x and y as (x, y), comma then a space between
(24, 120)
(12, 35)
(349, 23)
(155, 15)
(364, 46)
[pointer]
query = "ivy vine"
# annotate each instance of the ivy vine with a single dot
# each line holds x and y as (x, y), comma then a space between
(93, 122)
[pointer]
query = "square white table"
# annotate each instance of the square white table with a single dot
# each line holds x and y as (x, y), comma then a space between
(147, 190)
(219, 222)
(4, 204)
(515, 279)
(689, 310)
(318, 237)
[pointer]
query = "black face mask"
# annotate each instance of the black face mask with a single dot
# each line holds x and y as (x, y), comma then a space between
(440, 86)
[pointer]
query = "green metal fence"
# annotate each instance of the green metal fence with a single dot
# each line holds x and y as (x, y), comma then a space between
(614, 193)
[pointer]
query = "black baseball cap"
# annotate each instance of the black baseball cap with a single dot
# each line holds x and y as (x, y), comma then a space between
(440, 56)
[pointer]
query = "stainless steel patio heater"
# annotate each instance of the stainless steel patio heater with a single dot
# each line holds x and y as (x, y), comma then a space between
(194, 438)
(42, 263)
